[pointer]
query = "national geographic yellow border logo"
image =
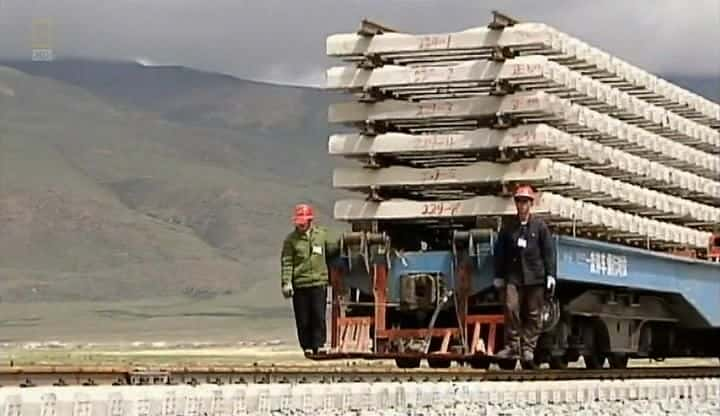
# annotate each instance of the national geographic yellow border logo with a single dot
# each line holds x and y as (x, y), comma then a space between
(41, 42)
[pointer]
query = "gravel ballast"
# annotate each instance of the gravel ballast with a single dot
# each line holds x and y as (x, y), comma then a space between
(631, 397)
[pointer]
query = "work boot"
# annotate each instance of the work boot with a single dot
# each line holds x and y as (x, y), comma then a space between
(507, 353)
(527, 360)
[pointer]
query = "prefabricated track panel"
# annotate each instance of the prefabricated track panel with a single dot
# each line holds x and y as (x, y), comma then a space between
(523, 39)
(472, 78)
(543, 174)
(448, 149)
(556, 209)
(529, 107)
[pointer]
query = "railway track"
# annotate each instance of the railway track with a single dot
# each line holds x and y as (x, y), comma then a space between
(96, 376)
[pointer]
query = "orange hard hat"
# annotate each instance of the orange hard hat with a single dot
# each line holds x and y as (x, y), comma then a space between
(303, 214)
(524, 191)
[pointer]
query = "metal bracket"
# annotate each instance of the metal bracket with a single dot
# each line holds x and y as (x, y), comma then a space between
(372, 162)
(351, 239)
(382, 242)
(149, 377)
(371, 128)
(503, 121)
(501, 21)
(365, 242)
(472, 238)
(502, 53)
(370, 61)
(370, 28)
(369, 96)
(373, 195)
(501, 87)
(505, 155)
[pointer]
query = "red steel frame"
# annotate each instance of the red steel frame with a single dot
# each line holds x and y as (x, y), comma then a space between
(351, 336)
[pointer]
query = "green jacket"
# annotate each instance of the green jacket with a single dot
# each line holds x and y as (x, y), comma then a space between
(304, 257)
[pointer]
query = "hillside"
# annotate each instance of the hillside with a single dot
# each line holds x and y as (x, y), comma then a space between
(263, 120)
(190, 96)
(102, 202)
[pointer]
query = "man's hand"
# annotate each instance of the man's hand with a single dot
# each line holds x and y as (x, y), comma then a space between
(550, 285)
(287, 290)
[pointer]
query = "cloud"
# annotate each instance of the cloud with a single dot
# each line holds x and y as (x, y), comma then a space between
(284, 40)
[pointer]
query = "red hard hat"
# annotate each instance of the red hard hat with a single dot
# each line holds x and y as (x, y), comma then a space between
(303, 214)
(524, 191)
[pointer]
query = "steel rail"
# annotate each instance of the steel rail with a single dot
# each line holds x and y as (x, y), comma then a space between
(93, 376)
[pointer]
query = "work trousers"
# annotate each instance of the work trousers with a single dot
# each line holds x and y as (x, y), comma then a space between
(309, 307)
(523, 319)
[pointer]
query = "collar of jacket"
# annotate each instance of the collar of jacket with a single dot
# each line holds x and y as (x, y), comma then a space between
(307, 234)
(530, 219)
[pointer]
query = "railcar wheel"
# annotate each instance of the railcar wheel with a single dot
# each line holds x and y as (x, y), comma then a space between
(479, 363)
(439, 362)
(618, 360)
(596, 338)
(594, 361)
(572, 355)
(507, 364)
(406, 362)
(558, 362)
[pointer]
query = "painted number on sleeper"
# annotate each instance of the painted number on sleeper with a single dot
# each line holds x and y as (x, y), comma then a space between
(435, 42)
(436, 142)
(526, 69)
(433, 108)
(440, 208)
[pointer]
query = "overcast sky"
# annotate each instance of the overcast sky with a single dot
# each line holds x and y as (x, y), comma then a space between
(284, 40)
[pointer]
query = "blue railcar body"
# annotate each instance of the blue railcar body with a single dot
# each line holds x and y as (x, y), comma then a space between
(580, 261)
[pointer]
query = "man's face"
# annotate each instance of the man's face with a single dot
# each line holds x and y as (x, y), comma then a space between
(523, 206)
(302, 227)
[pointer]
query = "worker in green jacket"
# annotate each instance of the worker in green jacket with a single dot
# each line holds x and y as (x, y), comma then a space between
(304, 276)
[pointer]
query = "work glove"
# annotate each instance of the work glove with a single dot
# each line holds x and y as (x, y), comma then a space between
(550, 286)
(498, 283)
(287, 290)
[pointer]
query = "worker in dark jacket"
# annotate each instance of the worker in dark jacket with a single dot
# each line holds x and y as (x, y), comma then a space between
(304, 276)
(525, 268)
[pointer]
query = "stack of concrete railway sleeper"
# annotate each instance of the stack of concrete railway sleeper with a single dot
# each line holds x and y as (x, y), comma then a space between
(447, 124)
